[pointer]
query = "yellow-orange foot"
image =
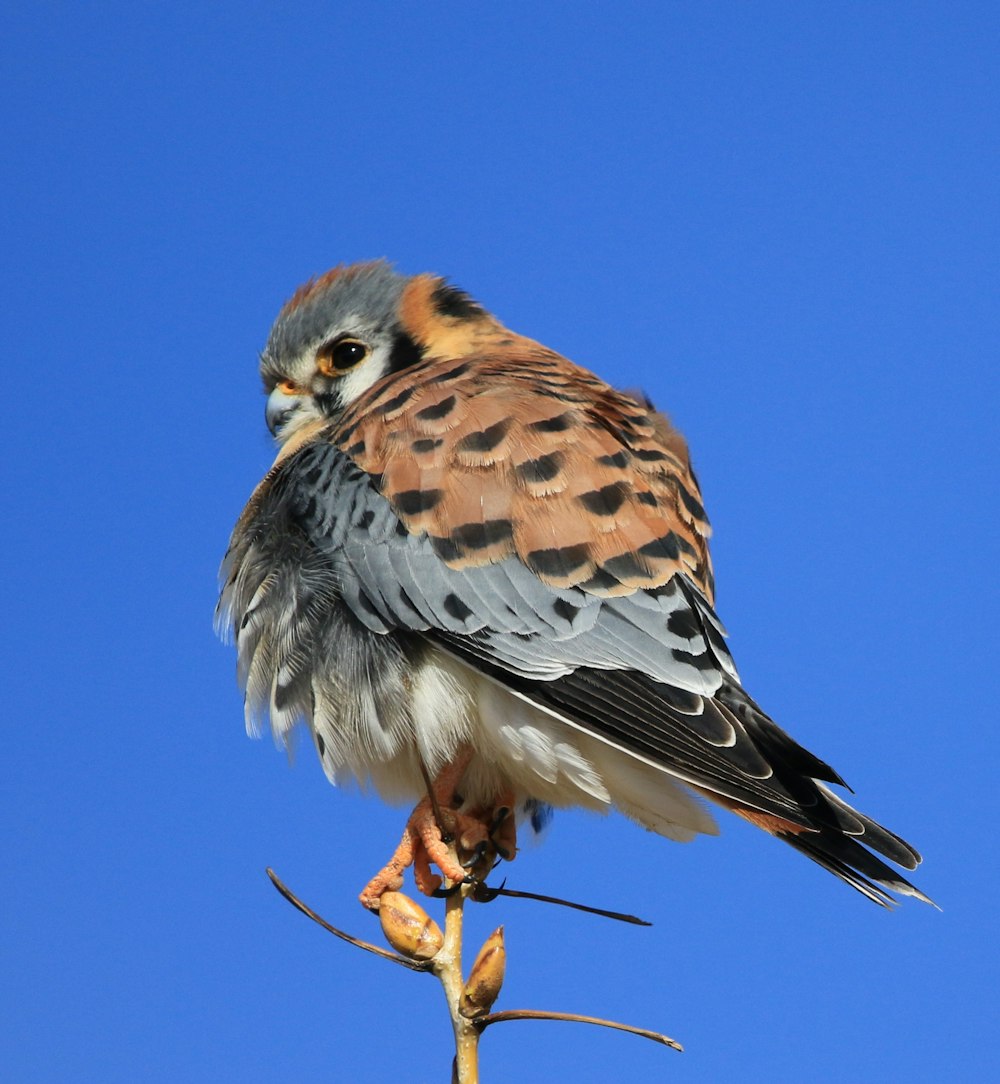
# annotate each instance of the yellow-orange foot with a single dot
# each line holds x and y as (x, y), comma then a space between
(458, 844)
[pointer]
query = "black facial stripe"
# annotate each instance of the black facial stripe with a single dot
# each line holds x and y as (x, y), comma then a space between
(404, 353)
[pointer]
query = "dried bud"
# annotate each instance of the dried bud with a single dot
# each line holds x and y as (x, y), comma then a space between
(485, 978)
(408, 927)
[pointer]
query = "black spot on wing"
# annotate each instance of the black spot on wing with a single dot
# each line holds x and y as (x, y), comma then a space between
(619, 459)
(456, 608)
(566, 610)
(703, 662)
(682, 622)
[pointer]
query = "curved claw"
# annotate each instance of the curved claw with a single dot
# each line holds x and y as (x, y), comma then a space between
(476, 855)
(444, 893)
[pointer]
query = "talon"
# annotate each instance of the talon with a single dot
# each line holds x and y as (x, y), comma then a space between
(476, 856)
(425, 841)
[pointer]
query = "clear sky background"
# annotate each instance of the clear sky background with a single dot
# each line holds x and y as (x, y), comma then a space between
(781, 221)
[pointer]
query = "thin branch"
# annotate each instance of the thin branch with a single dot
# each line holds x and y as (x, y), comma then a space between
(537, 1014)
(482, 893)
(413, 965)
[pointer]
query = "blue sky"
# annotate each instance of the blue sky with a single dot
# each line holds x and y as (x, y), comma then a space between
(781, 221)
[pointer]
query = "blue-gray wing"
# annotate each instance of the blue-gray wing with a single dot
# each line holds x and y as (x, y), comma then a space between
(320, 556)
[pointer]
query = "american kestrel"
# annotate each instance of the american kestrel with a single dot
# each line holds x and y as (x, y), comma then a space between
(477, 568)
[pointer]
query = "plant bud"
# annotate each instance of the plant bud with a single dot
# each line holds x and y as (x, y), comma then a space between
(408, 927)
(485, 978)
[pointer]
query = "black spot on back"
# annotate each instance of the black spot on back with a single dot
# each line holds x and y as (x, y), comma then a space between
(626, 566)
(426, 444)
(412, 502)
(479, 536)
(693, 506)
(600, 581)
(446, 549)
(559, 560)
(666, 546)
(619, 459)
(485, 440)
(451, 374)
(542, 469)
(559, 424)
(398, 400)
(437, 411)
(606, 500)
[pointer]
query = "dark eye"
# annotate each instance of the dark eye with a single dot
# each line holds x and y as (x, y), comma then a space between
(342, 355)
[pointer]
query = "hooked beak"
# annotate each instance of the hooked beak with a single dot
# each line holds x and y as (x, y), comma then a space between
(282, 403)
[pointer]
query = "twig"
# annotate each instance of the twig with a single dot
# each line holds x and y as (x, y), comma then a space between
(485, 894)
(538, 1014)
(413, 965)
(408, 927)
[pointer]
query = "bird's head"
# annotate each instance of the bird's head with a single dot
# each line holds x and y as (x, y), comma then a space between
(343, 332)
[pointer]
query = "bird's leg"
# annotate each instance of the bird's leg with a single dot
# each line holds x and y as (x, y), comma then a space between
(435, 831)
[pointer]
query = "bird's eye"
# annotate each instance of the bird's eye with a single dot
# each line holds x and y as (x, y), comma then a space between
(340, 356)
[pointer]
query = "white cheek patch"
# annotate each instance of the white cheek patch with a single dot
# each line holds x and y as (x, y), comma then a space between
(354, 384)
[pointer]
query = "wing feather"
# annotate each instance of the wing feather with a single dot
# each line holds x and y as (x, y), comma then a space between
(574, 572)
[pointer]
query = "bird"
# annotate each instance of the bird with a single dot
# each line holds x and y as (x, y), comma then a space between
(480, 576)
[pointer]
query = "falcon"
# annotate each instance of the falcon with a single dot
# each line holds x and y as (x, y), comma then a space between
(480, 576)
